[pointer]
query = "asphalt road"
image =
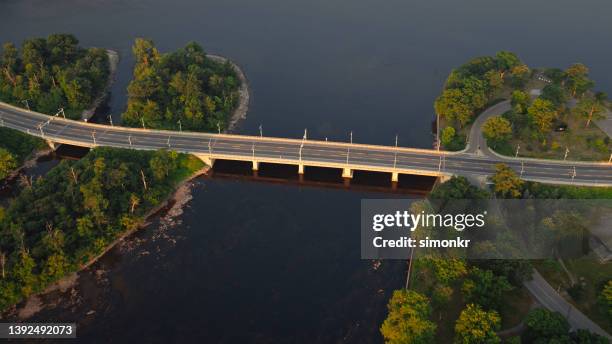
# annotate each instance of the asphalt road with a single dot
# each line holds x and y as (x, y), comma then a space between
(382, 158)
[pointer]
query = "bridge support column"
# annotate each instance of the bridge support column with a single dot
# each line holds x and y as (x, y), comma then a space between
(347, 173)
(443, 178)
(394, 177)
(51, 144)
(210, 162)
(255, 165)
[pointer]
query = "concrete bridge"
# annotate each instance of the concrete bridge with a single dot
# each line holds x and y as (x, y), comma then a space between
(303, 153)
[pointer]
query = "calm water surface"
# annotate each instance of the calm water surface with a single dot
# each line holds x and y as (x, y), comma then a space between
(261, 262)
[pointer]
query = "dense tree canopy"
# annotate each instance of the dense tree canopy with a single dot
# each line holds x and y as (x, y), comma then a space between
(52, 73)
(497, 130)
(476, 325)
(506, 182)
(185, 86)
(407, 321)
(471, 86)
(67, 217)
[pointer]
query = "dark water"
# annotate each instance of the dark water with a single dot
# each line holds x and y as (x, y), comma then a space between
(271, 262)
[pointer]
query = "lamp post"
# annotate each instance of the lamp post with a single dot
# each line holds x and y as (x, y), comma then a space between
(517, 150)
(566, 152)
(180, 125)
(395, 153)
(260, 131)
(25, 101)
(110, 120)
(143, 123)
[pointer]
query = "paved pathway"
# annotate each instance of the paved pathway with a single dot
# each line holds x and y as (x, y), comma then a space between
(548, 297)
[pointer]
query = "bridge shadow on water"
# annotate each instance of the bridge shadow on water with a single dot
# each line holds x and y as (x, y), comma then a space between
(321, 177)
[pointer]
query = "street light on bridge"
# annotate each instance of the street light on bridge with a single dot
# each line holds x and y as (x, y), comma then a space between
(395, 153)
(260, 131)
(25, 101)
(180, 125)
(143, 123)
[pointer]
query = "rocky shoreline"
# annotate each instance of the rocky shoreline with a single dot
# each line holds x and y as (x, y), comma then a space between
(180, 197)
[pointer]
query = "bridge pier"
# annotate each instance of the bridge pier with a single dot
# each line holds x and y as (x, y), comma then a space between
(51, 144)
(207, 160)
(394, 177)
(347, 173)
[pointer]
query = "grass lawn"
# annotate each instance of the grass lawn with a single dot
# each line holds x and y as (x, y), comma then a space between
(584, 144)
(591, 274)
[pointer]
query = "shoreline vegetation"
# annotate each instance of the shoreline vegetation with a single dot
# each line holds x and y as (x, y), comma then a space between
(40, 276)
(454, 299)
(182, 90)
(46, 75)
(550, 116)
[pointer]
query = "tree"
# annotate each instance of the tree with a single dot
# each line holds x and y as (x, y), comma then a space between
(447, 270)
(485, 289)
(476, 325)
(496, 130)
(520, 75)
(520, 101)
(592, 108)
(542, 113)
(555, 94)
(454, 106)
(544, 324)
(506, 61)
(448, 135)
(7, 163)
(605, 299)
(506, 182)
(577, 79)
(407, 320)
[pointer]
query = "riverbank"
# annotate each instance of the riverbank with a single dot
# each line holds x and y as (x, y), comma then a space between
(243, 103)
(37, 153)
(173, 203)
(113, 62)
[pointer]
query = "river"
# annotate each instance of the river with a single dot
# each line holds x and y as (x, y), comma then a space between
(264, 262)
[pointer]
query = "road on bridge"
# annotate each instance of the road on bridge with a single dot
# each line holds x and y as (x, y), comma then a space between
(310, 152)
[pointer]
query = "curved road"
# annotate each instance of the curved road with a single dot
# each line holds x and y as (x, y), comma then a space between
(310, 152)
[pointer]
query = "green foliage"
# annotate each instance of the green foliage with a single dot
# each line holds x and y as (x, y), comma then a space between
(476, 325)
(577, 79)
(544, 324)
(555, 94)
(471, 86)
(70, 215)
(484, 288)
(20, 145)
(450, 140)
(52, 73)
(605, 300)
(183, 86)
(446, 270)
(520, 76)
(591, 108)
(407, 320)
(497, 130)
(515, 271)
(7, 163)
(542, 113)
(506, 183)
(457, 188)
(520, 101)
